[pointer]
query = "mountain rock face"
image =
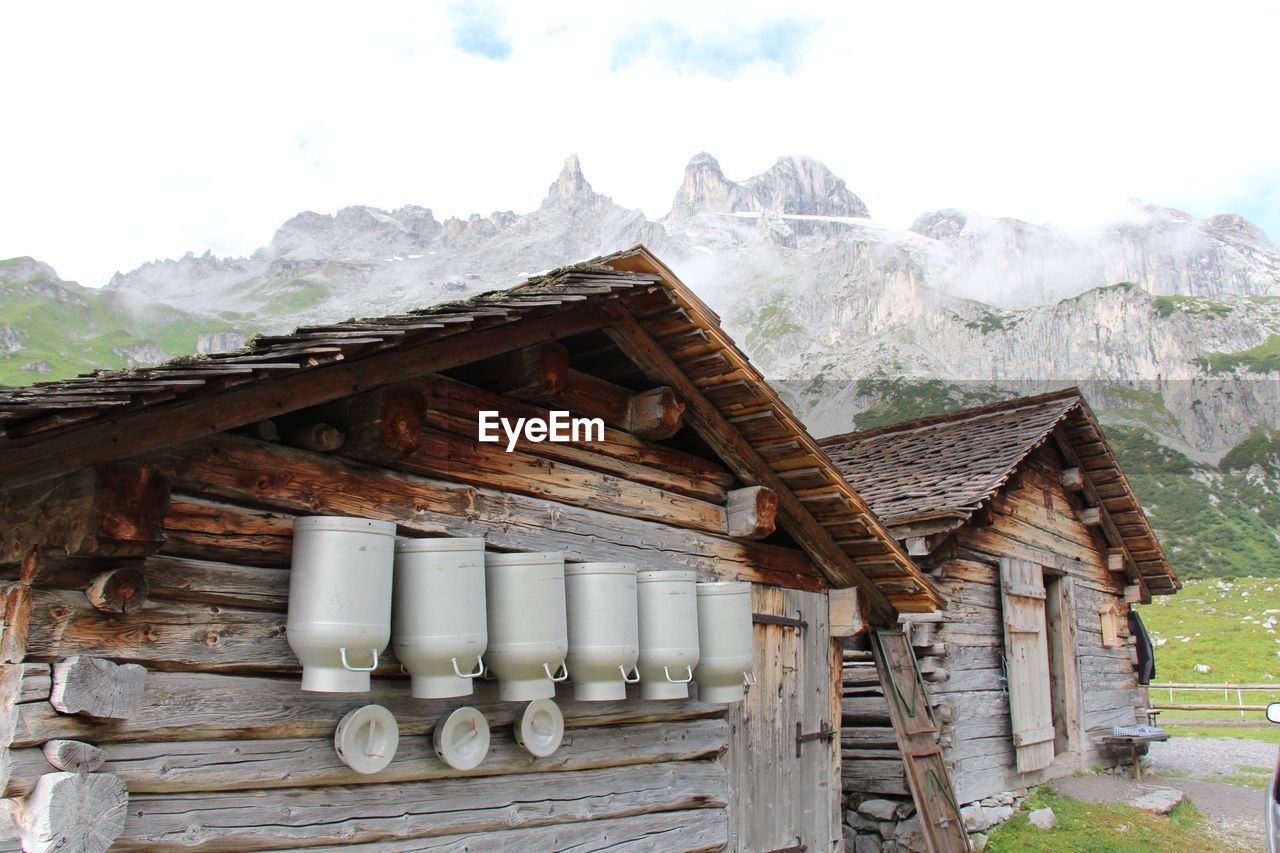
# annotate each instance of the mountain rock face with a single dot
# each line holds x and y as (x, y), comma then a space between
(814, 288)
(794, 185)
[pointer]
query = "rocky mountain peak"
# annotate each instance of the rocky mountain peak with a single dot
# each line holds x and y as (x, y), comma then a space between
(26, 269)
(792, 186)
(804, 186)
(572, 188)
(571, 181)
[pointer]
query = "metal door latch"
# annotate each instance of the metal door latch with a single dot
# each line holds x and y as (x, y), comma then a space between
(824, 732)
(785, 621)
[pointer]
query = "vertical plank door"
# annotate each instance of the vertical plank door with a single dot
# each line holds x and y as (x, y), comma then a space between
(785, 794)
(1026, 650)
(917, 735)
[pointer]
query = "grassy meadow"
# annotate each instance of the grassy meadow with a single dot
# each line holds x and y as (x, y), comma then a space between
(1232, 626)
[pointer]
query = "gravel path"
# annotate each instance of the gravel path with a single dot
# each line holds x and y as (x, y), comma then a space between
(1205, 758)
(1196, 766)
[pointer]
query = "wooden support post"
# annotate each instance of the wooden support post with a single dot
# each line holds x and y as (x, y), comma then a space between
(74, 813)
(753, 512)
(97, 688)
(1091, 516)
(111, 509)
(17, 623)
(73, 756)
(118, 591)
(1072, 479)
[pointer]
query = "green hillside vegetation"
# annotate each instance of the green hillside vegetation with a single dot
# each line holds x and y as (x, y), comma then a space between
(1193, 306)
(1264, 358)
(1212, 521)
(66, 329)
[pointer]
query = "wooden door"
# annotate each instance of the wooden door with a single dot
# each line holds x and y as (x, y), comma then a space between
(917, 735)
(1026, 651)
(784, 792)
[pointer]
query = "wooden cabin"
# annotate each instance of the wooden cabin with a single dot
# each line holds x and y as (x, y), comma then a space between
(150, 699)
(1022, 516)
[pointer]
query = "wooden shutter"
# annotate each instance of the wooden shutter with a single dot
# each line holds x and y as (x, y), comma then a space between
(1026, 649)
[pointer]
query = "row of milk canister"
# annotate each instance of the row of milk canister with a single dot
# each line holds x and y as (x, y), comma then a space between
(529, 619)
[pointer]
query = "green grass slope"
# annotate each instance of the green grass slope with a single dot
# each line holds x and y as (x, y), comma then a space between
(63, 329)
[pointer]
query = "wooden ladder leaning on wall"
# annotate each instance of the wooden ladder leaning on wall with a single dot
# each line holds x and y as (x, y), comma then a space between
(917, 735)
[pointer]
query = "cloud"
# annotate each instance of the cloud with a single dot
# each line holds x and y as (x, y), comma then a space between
(477, 30)
(724, 54)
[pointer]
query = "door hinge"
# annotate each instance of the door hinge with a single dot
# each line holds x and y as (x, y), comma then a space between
(824, 732)
(785, 621)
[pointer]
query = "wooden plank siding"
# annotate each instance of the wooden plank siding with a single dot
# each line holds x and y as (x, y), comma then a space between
(1034, 519)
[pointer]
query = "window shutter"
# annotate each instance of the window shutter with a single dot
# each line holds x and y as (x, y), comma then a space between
(1026, 647)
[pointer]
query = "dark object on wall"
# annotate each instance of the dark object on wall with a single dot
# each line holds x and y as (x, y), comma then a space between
(1146, 651)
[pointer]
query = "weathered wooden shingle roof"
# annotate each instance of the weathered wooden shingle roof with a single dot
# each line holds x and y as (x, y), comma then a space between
(51, 428)
(936, 472)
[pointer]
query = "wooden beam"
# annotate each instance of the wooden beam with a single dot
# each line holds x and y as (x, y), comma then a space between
(252, 764)
(1091, 516)
(73, 756)
(319, 437)
(393, 418)
(464, 460)
(734, 449)
(186, 706)
(537, 372)
(121, 590)
(245, 820)
(231, 467)
(73, 813)
(1110, 532)
(847, 612)
(1072, 479)
(113, 508)
(752, 512)
(1115, 559)
(656, 414)
(97, 688)
(39, 457)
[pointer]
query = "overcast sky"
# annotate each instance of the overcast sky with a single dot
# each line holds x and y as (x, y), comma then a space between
(137, 131)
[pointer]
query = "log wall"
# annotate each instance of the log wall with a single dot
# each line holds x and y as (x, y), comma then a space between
(1035, 519)
(223, 751)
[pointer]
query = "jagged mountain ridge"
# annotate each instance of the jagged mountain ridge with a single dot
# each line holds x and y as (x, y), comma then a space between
(804, 277)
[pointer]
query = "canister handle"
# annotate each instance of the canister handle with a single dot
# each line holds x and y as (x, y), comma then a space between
(635, 671)
(749, 679)
(564, 665)
(688, 669)
(347, 666)
(479, 668)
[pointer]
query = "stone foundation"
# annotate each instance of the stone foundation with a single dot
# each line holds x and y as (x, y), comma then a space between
(884, 824)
